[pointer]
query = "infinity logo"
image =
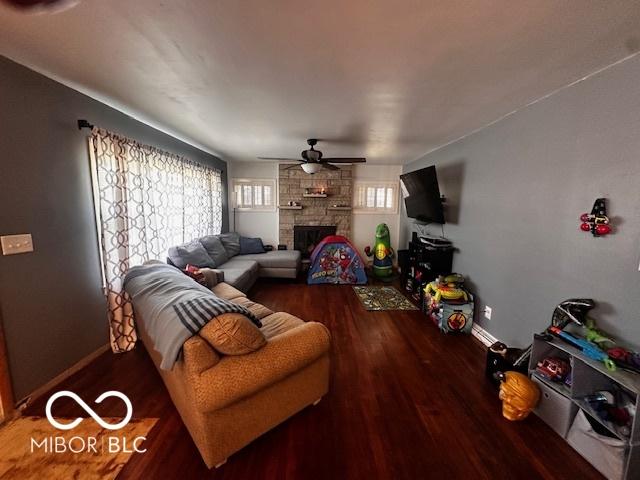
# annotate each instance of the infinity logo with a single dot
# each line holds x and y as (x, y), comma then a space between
(89, 410)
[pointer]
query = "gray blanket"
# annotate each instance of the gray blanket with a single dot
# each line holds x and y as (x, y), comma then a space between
(174, 307)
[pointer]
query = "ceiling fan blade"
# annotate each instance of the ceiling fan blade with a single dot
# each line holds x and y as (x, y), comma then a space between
(292, 166)
(328, 166)
(345, 160)
(282, 159)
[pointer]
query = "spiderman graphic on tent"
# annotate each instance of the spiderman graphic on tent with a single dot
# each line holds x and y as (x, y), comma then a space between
(335, 260)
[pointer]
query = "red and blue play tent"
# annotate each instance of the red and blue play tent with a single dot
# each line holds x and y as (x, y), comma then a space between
(335, 260)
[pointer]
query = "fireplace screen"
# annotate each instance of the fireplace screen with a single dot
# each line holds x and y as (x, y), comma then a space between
(305, 238)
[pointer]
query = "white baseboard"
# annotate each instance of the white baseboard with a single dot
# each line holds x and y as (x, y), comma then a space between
(481, 334)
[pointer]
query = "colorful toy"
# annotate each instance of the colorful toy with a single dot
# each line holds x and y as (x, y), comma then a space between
(596, 222)
(335, 260)
(554, 369)
(519, 395)
(613, 407)
(570, 311)
(382, 253)
(596, 336)
(625, 358)
(621, 356)
(448, 304)
(449, 288)
(588, 348)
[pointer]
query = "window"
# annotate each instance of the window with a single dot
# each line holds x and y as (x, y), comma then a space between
(147, 200)
(254, 194)
(375, 197)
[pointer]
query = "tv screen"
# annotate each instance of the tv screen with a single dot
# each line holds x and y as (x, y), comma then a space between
(422, 195)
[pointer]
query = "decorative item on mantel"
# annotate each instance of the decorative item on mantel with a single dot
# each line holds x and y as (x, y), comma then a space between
(315, 192)
(340, 207)
(291, 205)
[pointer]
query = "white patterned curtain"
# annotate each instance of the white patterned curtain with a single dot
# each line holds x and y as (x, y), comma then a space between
(147, 200)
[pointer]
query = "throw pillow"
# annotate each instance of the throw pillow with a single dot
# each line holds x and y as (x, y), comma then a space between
(192, 253)
(233, 334)
(251, 245)
(215, 249)
(231, 242)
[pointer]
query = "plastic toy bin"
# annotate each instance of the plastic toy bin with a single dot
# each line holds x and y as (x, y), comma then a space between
(606, 453)
(555, 409)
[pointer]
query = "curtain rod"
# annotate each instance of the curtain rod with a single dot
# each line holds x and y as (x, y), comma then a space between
(84, 124)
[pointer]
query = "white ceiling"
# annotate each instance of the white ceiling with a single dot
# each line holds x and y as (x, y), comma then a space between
(390, 80)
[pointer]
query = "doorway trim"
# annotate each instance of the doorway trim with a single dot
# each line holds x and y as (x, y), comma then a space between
(7, 410)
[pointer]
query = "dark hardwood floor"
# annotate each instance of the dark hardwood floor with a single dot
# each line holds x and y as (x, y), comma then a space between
(405, 402)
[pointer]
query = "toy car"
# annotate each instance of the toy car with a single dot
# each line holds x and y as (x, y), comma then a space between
(554, 369)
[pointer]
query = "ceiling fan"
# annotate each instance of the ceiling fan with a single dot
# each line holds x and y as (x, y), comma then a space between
(313, 161)
(42, 6)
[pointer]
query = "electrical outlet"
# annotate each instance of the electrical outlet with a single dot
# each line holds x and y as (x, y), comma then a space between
(487, 312)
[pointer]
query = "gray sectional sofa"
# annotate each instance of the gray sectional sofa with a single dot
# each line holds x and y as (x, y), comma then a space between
(223, 253)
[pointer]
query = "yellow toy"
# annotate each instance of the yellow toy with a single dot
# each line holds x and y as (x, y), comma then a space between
(449, 288)
(519, 395)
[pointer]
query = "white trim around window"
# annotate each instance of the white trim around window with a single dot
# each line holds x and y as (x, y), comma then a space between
(375, 196)
(254, 194)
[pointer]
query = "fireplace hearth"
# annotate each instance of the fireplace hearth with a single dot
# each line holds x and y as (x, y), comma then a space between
(305, 237)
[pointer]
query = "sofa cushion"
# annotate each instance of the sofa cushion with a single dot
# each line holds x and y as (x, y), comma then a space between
(278, 323)
(192, 253)
(213, 245)
(251, 245)
(231, 242)
(276, 259)
(260, 311)
(240, 273)
(226, 291)
(233, 334)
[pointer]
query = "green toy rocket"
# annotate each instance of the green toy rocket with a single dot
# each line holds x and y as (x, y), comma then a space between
(382, 253)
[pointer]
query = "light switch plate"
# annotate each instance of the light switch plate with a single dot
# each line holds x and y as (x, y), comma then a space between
(13, 244)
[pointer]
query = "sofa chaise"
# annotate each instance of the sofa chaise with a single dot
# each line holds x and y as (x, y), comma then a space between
(240, 270)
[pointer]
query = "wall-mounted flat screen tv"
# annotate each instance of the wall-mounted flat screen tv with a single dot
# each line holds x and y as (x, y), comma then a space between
(422, 195)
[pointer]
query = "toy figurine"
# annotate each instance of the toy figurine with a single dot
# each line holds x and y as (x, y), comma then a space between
(596, 222)
(596, 336)
(382, 253)
(519, 395)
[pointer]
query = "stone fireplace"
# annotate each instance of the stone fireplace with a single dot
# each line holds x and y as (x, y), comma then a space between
(334, 210)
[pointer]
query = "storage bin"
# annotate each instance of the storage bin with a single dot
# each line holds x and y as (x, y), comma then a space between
(555, 409)
(605, 453)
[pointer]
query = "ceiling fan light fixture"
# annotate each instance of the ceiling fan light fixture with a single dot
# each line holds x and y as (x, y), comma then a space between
(311, 168)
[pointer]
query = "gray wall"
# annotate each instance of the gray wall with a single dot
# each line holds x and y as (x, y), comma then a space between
(516, 190)
(53, 309)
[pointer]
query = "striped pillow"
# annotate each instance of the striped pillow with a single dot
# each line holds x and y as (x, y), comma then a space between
(195, 314)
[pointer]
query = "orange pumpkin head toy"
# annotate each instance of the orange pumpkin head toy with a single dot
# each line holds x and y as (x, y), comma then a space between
(519, 395)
